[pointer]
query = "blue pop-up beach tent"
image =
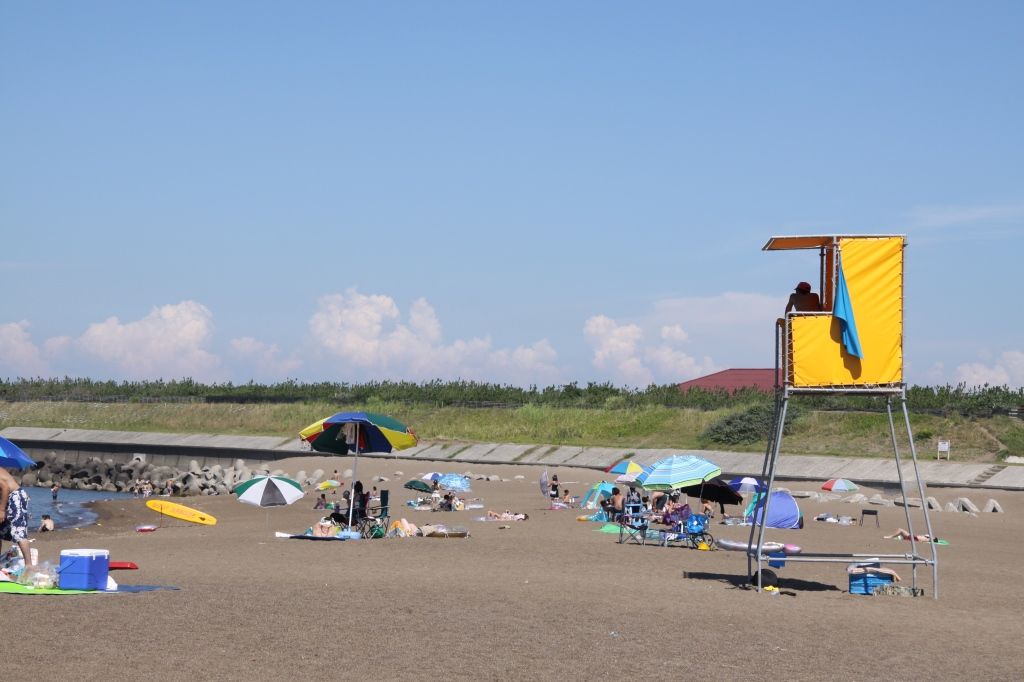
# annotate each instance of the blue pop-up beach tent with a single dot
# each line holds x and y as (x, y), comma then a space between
(783, 511)
(597, 492)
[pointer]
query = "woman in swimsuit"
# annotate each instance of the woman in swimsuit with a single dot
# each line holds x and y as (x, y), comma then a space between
(903, 534)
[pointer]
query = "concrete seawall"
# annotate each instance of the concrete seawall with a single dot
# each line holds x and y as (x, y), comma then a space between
(177, 450)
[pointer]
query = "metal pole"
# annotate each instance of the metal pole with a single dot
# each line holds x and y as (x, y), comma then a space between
(352, 482)
(768, 490)
(771, 441)
(903, 487)
(924, 502)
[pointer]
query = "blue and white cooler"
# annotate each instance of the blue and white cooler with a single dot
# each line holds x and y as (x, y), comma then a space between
(84, 569)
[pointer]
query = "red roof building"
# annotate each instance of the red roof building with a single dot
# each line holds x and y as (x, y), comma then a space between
(733, 380)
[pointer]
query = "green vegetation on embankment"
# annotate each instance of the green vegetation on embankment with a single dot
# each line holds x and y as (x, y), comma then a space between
(811, 431)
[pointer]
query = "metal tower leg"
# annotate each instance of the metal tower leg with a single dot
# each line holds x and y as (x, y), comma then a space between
(764, 473)
(780, 421)
(903, 487)
(924, 501)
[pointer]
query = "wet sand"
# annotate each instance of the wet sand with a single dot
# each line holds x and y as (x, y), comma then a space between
(548, 598)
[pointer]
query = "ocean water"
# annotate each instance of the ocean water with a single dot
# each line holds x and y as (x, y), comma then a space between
(69, 511)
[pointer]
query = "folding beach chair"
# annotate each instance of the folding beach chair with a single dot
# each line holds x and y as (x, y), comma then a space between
(696, 528)
(374, 523)
(633, 524)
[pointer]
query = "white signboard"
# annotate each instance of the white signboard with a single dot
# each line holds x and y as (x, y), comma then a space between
(943, 449)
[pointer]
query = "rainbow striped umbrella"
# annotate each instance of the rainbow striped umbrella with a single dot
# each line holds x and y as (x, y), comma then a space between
(339, 433)
(357, 432)
(840, 485)
(625, 466)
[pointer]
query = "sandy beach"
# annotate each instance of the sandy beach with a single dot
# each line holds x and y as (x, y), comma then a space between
(545, 599)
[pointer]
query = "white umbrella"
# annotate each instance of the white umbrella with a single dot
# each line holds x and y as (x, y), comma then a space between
(269, 491)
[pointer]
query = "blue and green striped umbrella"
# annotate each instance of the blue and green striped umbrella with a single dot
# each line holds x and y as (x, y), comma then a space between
(678, 471)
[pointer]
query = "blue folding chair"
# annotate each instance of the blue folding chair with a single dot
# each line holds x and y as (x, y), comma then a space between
(633, 524)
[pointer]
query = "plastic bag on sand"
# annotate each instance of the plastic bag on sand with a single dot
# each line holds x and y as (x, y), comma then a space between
(12, 563)
(42, 575)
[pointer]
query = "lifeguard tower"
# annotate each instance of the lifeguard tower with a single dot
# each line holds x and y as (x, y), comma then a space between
(853, 345)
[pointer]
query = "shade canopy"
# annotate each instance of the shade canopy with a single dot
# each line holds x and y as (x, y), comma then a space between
(376, 433)
(713, 490)
(418, 486)
(269, 491)
(13, 457)
(678, 471)
(624, 466)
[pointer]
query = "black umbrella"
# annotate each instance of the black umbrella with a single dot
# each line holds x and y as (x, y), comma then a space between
(418, 485)
(715, 490)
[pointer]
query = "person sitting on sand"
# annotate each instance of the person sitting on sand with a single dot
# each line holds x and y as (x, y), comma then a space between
(566, 497)
(507, 516)
(321, 502)
(904, 534)
(613, 505)
(340, 515)
(325, 528)
(46, 524)
(707, 509)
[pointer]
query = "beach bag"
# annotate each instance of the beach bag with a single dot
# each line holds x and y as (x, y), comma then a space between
(697, 523)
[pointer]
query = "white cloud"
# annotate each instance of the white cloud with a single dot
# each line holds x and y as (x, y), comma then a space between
(169, 342)
(19, 356)
(674, 365)
(728, 312)
(1007, 370)
(619, 349)
(731, 329)
(264, 359)
(674, 332)
(367, 333)
(951, 216)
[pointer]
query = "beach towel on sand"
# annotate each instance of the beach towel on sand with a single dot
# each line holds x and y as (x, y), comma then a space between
(16, 588)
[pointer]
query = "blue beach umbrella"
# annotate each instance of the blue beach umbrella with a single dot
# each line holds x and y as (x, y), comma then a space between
(12, 457)
(678, 471)
(454, 482)
(746, 485)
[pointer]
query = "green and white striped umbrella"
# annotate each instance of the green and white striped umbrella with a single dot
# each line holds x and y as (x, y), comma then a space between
(269, 491)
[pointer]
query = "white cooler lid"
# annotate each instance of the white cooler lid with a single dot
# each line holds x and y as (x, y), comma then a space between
(85, 552)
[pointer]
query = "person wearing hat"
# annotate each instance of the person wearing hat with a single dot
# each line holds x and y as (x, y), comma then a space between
(803, 301)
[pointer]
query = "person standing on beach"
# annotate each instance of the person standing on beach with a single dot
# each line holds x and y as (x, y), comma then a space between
(13, 514)
(553, 493)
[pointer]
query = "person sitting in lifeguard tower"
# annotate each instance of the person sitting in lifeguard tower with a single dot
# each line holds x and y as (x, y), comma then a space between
(803, 301)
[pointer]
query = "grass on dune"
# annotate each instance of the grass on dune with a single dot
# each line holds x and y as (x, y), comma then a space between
(657, 427)
(862, 434)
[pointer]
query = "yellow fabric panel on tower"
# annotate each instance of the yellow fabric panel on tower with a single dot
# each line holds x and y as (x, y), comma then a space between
(874, 277)
(873, 269)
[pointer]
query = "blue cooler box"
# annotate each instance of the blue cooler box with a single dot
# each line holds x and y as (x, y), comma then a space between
(84, 569)
(865, 583)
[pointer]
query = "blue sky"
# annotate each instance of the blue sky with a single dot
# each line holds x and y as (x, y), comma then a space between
(515, 192)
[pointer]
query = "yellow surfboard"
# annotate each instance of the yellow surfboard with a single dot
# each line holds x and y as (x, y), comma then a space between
(180, 511)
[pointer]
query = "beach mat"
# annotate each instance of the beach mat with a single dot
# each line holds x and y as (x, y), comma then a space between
(16, 588)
